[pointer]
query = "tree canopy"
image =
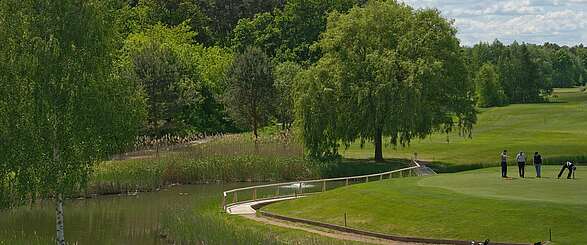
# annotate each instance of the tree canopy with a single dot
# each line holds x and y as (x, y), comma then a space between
(488, 88)
(250, 92)
(64, 109)
(387, 71)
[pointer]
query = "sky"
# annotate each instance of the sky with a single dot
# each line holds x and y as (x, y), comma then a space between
(532, 21)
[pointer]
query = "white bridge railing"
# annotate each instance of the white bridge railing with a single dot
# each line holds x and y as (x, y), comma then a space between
(293, 189)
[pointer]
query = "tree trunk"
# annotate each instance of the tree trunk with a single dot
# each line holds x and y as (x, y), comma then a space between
(255, 124)
(378, 145)
(60, 236)
(59, 213)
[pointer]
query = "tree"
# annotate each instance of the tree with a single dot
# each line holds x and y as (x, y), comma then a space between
(160, 59)
(225, 14)
(137, 16)
(567, 73)
(390, 71)
(64, 110)
(285, 74)
(489, 91)
(288, 33)
(250, 92)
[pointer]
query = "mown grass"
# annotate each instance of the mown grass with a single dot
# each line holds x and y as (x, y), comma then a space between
(473, 205)
(557, 130)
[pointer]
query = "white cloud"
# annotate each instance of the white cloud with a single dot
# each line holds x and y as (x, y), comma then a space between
(533, 21)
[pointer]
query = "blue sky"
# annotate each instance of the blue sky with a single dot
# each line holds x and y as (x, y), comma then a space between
(532, 21)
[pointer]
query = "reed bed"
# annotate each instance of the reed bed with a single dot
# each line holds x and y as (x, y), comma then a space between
(230, 158)
(146, 174)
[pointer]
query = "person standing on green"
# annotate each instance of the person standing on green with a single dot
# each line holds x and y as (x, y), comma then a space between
(504, 164)
(538, 164)
(521, 157)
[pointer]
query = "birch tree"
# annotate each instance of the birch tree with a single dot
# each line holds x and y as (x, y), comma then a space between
(64, 110)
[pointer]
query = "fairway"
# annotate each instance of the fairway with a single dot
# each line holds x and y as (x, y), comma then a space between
(469, 205)
(554, 129)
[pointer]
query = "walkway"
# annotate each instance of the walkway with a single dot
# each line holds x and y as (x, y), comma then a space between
(247, 207)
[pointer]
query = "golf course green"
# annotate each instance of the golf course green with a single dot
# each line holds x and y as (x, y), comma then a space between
(471, 205)
(557, 130)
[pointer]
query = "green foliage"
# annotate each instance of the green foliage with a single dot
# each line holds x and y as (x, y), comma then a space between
(568, 69)
(285, 74)
(181, 79)
(489, 91)
(142, 14)
(64, 110)
(250, 93)
(527, 73)
(379, 78)
(289, 33)
(225, 14)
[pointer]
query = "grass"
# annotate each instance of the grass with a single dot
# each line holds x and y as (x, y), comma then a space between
(469, 205)
(558, 130)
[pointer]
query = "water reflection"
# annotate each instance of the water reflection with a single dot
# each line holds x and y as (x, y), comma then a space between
(105, 220)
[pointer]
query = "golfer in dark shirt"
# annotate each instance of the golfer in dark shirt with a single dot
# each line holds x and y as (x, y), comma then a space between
(570, 166)
(538, 164)
(504, 163)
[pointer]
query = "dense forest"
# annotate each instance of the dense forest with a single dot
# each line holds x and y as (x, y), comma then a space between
(184, 53)
(192, 60)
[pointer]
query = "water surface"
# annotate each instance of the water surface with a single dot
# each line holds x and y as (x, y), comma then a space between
(118, 219)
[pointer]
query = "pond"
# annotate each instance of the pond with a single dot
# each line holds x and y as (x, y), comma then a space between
(122, 219)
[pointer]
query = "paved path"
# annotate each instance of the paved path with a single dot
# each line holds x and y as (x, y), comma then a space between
(247, 207)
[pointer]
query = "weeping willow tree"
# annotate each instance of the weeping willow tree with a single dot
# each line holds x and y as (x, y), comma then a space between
(62, 108)
(387, 71)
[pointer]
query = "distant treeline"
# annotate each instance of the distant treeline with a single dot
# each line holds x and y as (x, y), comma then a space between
(523, 73)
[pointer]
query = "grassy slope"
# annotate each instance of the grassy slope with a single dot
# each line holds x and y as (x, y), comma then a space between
(555, 129)
(469, 205)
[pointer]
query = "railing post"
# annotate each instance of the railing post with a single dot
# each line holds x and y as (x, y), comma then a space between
(346, 182)
(224, 201)
(234, 197)
(380, 177)
(301, 188)
(324, 186)
(390, 175)
(366, 179)
(254, 194)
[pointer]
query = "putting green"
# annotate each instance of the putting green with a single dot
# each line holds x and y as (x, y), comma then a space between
(472, 205)
(485, 183)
